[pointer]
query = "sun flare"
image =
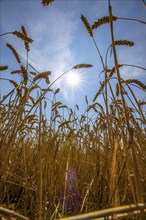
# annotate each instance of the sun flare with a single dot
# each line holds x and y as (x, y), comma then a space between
(73, 79)
(73, 84)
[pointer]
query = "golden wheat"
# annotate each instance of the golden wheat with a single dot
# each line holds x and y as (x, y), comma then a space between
(41, 140)
(83, 65)
(23, 36)
(87, 25)
(3, 68)
(43, 75)
(24, 74)
(103, 20)
(26, 43)
(124, 43)
(137, 82)
(14, 52)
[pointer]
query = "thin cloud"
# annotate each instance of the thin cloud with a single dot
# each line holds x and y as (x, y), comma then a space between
(51, 49)
(53, 30)
(132, 57)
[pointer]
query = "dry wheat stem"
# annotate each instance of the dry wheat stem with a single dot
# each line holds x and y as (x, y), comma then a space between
(6, 33)
(98, 52)
(64, 196)
(132, 65)
(132, 19)
(40, 164)
(117, 68)
(85, 197)
(139, 108)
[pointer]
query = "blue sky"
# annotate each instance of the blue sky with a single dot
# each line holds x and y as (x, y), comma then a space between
(61, 41)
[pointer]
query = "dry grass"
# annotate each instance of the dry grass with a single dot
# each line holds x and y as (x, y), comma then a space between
(36, 152)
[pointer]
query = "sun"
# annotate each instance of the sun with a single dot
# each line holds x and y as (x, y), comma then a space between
(73, 79)
(72, 83)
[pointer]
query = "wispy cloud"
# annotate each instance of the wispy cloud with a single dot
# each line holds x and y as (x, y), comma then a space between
(53, 35)
(53, 30)
(134, 55)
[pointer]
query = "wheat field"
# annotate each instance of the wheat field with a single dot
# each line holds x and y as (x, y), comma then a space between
(67, 163)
